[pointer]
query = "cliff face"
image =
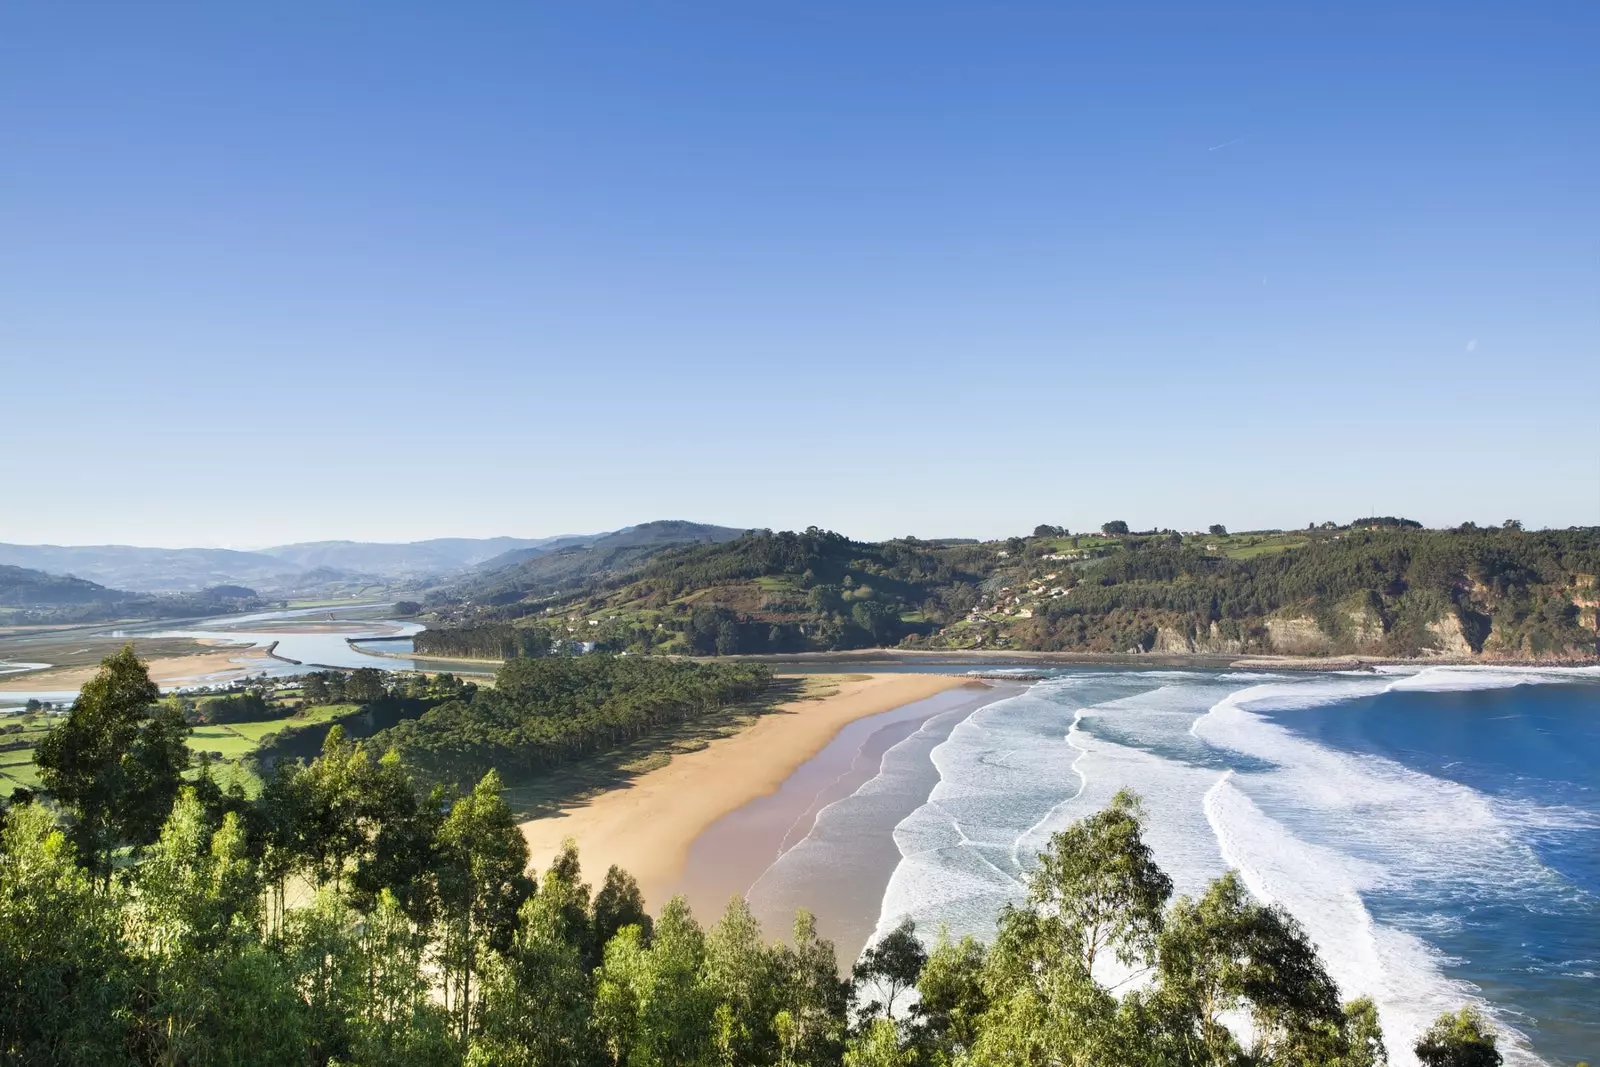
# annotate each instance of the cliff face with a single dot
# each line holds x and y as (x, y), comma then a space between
(1365, 628)
(1464, 594)
(1298, 637)
(1170, 640)
(1449, 638)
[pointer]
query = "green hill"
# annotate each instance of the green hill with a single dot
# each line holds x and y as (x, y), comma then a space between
(567, 567)
(33, 596)
(1379, 588)
(22, 587)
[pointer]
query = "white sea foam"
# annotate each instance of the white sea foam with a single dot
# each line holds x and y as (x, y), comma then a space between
(1397, 970)
(1021, 769)
(1342, 824)
(1487, 676)
(1308, 827)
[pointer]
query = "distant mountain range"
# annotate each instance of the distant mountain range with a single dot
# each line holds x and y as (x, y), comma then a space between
(34, 596)
(153, 570)
(441, 555)
(568, 563)
(320, 565)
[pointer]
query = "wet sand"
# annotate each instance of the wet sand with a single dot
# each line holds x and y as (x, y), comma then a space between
(824, 841)
(648, 826)
(165, 671)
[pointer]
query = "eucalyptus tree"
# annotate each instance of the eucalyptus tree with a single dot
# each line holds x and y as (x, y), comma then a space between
(1464, 1039)
(481, 859)
(116, 762)
(891, 967)
(878, 1045)
(652, 1005)
(1228, 953)
(951, 998)
(814, 1001)
(65, 978)
(210, 993)
(537, 995)
(744, 981)
(618, 904)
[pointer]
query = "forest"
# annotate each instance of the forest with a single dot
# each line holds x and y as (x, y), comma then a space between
(1383, 586)
(542, 713)
(1508, 591)
(346, 915)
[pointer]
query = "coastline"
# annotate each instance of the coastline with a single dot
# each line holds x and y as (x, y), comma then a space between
(648, 826)
(165, 671)
(865, 658)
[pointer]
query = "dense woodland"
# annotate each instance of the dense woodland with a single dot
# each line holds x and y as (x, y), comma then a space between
(563, 567)
(1510, 592)
(542, 713)
(345, 916)
(1381, 586)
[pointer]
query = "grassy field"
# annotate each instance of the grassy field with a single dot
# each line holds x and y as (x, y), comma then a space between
(1249, 545)
(229, 745)
(17, 769)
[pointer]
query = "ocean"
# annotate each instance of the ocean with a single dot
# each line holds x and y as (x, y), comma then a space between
(1436, 830)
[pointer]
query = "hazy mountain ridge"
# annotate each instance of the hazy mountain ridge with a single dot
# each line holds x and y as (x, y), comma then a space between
(283, 568)
(35, 596)
(573, 565)
(309, 566)
(24, 587)
(439, 555)
(153, 570)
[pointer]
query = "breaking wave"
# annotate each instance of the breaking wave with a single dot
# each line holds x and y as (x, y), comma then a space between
(1318, 830)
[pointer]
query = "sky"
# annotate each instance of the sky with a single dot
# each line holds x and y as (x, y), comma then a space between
(297, 271)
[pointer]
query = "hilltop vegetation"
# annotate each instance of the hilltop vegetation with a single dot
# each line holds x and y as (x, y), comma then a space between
(1383, 586)
(562, 567)
(545, 712)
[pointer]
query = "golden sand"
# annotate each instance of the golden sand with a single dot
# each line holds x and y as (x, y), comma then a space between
(166, 671)
(647, 826)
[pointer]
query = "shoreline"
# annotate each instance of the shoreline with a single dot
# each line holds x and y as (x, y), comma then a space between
(166, 671)
(863, 658)
(824, 842)
(648, 826)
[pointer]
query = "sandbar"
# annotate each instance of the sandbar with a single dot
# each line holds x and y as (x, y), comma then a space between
(165, 671)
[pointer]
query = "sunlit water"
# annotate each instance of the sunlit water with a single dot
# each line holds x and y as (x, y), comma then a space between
(350, 643)
(1437, 832)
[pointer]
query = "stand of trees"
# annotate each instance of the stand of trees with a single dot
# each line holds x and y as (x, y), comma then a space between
(484, 641)
(168, 938)
(549, 711)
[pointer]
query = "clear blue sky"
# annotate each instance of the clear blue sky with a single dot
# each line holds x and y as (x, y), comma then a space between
(286, 271)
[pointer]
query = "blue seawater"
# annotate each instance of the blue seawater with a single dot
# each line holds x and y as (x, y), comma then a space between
(1528, 944)
(1436, 831)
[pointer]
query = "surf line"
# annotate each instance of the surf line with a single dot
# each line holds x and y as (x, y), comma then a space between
(1083, 783)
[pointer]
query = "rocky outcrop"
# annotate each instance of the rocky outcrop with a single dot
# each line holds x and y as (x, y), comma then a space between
(1366, 628)
(1173, 642)
(1298, 637)
(1170, 641)
(1448, 636)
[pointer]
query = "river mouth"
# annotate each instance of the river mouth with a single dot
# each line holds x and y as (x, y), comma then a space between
(273, 644)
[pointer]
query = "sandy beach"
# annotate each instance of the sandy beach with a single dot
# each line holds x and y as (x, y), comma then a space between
(648, 826)
(219, 666)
